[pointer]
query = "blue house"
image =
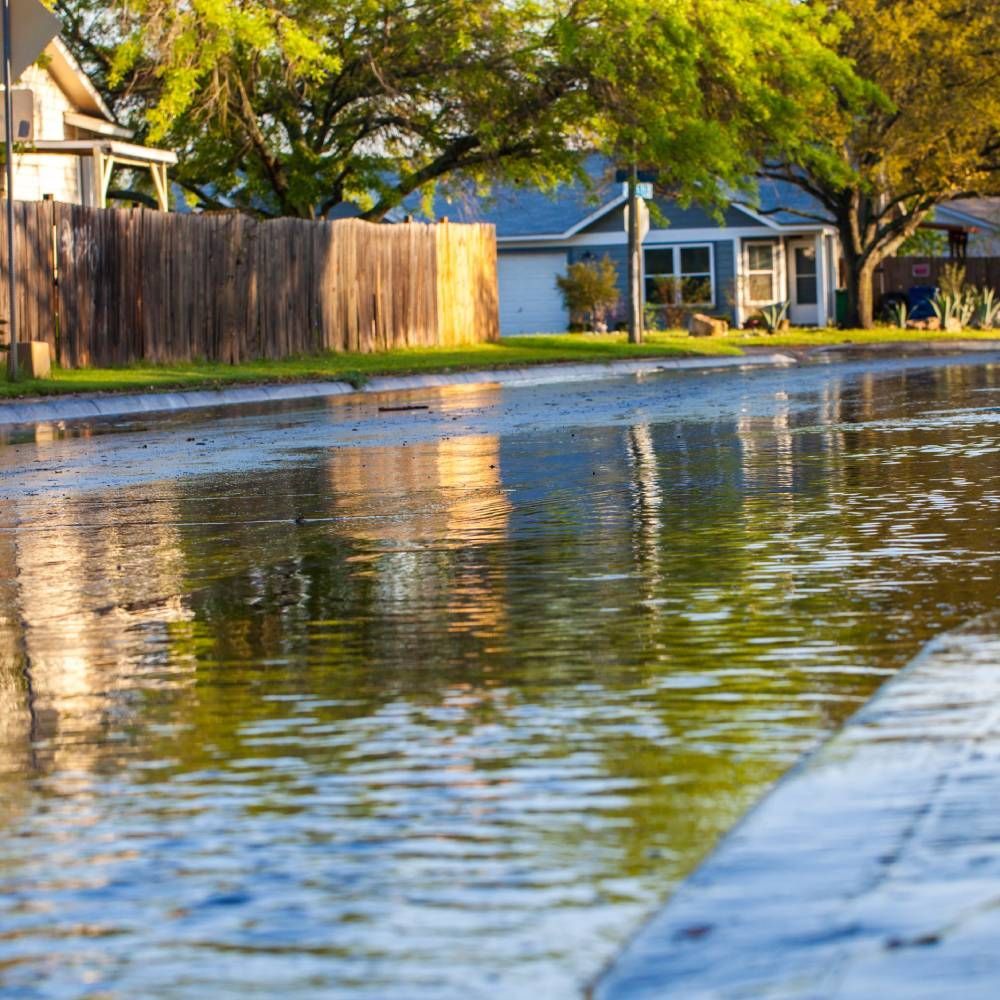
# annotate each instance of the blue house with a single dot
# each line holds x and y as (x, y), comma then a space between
(733, 266)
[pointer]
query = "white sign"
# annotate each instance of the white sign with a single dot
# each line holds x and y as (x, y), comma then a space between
(32, 28)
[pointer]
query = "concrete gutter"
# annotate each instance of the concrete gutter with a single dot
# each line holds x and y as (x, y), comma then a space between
(871, 870)
(109, 405)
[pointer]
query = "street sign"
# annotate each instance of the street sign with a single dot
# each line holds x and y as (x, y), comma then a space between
(644, 176)
(32, 28)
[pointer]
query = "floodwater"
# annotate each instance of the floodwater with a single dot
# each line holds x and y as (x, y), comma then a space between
(439, 703)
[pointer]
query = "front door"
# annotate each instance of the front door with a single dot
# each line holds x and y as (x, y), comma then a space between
(803, 281)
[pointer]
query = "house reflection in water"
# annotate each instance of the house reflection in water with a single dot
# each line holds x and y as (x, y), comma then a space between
(429, 514)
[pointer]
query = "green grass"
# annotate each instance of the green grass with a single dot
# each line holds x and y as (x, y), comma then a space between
(511, 351)
(880, 335)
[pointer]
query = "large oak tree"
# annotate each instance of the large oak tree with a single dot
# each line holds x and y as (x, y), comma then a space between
(933, 135)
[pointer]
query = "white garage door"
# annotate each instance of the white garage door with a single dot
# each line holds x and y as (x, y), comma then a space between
(529, 299)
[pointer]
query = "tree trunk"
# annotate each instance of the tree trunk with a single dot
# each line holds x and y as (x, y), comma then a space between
(861, 292)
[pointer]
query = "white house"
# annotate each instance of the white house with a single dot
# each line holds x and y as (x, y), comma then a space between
(68, 143)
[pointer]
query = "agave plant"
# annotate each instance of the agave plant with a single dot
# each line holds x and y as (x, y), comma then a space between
(955, 310)
(988, 309)
(899, 313)
(967, 306)
(774, 315)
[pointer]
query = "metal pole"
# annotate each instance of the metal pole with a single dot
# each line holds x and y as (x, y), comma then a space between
(8, 106)
(634, 260)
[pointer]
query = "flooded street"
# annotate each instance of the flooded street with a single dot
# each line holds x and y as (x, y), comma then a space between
(439, 703)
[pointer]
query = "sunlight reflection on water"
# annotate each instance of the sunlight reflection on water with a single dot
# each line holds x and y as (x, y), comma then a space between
(446, 719)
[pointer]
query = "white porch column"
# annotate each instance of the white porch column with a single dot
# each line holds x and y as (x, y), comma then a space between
(159, 172)
(822, 295)
(738, 314)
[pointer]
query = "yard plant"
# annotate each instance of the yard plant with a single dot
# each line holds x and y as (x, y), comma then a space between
(590, 291)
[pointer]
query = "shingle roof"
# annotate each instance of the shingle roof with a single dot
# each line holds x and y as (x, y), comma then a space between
(773, 195)
(526, 211)
(985, 210)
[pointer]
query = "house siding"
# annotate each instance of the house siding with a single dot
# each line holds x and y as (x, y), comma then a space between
(723, 257)
(619, 257)
(49, 101)
(40, 174)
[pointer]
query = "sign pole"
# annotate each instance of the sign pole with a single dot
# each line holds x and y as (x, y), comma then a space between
(8, 105)
(634, 260)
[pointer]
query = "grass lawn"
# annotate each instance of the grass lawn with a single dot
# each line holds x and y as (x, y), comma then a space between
(510, 351)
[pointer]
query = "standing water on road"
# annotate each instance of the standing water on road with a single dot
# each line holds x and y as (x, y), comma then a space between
(440, 703)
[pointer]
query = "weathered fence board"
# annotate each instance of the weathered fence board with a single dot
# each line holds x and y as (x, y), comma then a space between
(897, 272)
(136, 285)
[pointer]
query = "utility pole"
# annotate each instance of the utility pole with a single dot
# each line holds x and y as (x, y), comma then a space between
(8, 108)
(634, 259)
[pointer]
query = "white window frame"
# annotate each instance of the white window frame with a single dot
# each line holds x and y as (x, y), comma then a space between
(675, 249)
(774, 271)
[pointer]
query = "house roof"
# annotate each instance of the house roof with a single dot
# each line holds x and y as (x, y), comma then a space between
(979, 212)
(528, 213)
(75, 84)
(787, 204)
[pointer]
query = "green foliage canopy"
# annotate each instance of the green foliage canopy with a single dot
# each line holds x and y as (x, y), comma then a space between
(930, 130)
(296, 107)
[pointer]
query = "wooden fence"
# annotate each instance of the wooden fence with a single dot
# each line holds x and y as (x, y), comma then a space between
(899, 274)
(116, 286)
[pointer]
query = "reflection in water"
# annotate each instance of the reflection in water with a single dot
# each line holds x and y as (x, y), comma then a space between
(445, 719)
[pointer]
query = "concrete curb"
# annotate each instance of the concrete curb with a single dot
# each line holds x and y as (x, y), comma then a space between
(94, 407)
(871, 869)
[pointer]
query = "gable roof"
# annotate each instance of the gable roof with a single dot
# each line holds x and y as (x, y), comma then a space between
(74, 83)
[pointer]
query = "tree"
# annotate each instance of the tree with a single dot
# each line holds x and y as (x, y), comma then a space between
(590, 291)
(299, 106)
(930, 131)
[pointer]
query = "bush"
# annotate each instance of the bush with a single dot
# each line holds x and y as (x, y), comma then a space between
(590, 291)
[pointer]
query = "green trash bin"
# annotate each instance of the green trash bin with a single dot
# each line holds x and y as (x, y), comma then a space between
(841, 306)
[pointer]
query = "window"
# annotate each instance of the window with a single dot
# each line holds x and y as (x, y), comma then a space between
(696, 276)
(680, 275)
(806, 292)
(762, 272)
(661, 277)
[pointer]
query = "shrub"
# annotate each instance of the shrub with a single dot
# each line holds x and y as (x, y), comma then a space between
(590, 291)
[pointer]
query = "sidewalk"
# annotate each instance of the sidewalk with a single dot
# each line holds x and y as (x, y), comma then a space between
(90, 407)
(871, 871)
